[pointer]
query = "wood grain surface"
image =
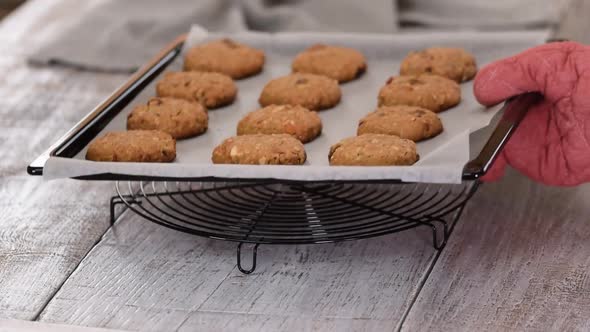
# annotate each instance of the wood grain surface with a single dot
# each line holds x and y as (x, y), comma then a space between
(518, 260)
(46, 228)
(143, 276)
(13, 325)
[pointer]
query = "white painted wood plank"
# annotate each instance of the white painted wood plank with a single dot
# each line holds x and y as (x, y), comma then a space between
(222, 322)
(12, 325)
(46, 228)
(141, 276)
(519, 260)
(144, 276)
(372, 279)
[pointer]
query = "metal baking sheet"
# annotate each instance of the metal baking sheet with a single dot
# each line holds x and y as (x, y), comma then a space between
(441, 158)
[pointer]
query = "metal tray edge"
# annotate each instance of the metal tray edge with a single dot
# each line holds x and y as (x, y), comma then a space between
(514, 110)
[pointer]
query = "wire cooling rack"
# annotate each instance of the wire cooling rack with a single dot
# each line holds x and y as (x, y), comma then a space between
(295, 213)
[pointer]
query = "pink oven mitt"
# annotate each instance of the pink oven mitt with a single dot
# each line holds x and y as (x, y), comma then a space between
(552, 143)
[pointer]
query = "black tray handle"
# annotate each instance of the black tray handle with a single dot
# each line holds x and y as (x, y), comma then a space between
(111, 106)
(514, 110)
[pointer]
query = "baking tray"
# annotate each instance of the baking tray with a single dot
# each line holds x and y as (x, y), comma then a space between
(267, 211)
(76, 139)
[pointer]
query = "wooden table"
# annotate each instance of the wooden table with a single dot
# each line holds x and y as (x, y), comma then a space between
(518, 259)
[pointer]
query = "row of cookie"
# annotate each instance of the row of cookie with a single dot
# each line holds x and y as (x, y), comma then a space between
(205, 65)
(316, 74)
(238, 60)
(316, 71)
(284, 149)
(175, 114)
(260, 141)
(208, 81)
(275, 134)
(201, 87)
(169, 119)
(429, 79)
(406, 122)
(386, 137)
(214, 90)
(428, 83)
(180, 110)
(430, 91)
(179, 119)
(256, 149)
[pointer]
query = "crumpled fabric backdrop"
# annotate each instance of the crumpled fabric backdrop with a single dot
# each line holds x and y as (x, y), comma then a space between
(482, 14)
(120, 35)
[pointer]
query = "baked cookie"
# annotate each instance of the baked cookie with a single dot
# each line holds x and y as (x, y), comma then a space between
(260, 149)
(225, 56)
(340, 63)
(373, 150)
(311, 91)
(178, 117)
(432, 92)
(133, 146)
(410, 122)
(210, 89)
(297, 121)
(453, 63)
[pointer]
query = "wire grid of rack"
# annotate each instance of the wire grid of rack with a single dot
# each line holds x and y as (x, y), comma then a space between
(295, 213)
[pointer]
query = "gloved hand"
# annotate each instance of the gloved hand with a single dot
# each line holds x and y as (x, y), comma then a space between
(552, 143)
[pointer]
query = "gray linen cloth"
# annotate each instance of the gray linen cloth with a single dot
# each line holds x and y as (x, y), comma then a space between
(481, 14)
(121, 35)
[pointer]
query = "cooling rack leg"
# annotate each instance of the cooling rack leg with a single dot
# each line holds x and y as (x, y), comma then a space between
(115, 200)
(253, 266)
(438, 244)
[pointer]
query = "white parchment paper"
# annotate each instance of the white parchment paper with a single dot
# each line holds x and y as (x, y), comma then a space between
(441, 158)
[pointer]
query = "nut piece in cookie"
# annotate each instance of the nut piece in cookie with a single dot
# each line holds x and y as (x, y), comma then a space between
(260, 149)
(209, 89)
(373, 150)
(297, 121)
(225, 56)
(453, 63)
(133, 146)
(432, 92)
(178, 117)
(410, 122)
(311, 91)
(340, 63)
